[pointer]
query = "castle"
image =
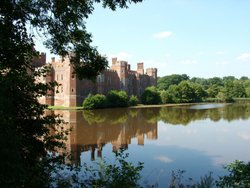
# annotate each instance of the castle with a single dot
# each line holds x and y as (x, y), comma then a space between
(72, 91)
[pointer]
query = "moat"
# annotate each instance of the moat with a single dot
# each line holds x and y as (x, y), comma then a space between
(196, 138)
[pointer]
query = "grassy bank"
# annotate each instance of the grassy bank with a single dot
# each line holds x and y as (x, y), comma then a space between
(65, 108)
(210, 100)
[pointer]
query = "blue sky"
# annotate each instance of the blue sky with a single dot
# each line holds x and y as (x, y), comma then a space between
(196, 37)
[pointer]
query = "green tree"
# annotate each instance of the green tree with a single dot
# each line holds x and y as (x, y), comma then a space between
(166, 97)
(151, 96)
(95, 101)
(24, 129)
(133, 100)
(165, 82)
(215, 81)
(117, 98)
(239, 175)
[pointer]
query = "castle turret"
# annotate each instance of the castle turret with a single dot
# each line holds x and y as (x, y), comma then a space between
(152, 73)
(140, 68)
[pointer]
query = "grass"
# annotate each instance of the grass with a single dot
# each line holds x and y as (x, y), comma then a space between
(65, 108)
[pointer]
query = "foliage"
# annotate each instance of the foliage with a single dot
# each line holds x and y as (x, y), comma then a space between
(114, 98)
(120, 173)
(117, 98)
(25, 130)
(166, 97)
(95, 102)
(165, 82)
(151, 96)
(239, 175)
(133, 100)
(177, 177)
(224, 89)
(184, 92)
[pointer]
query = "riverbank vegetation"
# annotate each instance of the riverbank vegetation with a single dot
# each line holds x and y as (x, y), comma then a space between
(180, 88)
(176, 89)
(113, 99)
(122, 173)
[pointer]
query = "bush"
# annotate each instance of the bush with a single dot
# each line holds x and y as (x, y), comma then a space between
(117, 98)
(133, 101)
(239, 175)
(151, 96)
(166, 97)
(95, 101)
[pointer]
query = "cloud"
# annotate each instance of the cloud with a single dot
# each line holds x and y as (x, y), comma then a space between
(244, 57)
(163, 159)
(162, 35)
(189, 62)
(244, 136)
(120, 56)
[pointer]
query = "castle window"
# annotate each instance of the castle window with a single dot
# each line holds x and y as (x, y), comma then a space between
(72, 90)
(61, 76)
(73, 76)
(61, 89)
(57, 77)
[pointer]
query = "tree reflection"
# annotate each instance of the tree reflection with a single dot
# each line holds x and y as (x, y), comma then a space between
(92, 130)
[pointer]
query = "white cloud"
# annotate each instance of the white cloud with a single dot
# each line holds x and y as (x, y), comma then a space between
(244, 136)
(120, 56)
(163, 159)
(162, 35)
(244, 57)
(189, 62)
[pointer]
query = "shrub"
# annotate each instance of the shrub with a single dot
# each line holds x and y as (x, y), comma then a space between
(133, 101)
(166, 97)
(95, 101)
(117, 98)
(239, 175)
(151, 96)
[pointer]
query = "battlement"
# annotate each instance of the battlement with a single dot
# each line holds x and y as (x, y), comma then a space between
(39, 61)
(72, 91)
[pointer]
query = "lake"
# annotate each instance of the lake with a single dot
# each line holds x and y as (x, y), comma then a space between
(196, 138)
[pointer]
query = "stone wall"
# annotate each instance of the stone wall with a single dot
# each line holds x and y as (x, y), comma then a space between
(72, 91)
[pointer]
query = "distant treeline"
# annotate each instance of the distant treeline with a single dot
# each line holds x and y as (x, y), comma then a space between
(180, 88)
(177, 88)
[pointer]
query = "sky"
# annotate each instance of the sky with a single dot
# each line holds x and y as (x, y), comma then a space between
(194, 37)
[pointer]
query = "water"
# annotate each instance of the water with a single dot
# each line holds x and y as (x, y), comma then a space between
(196, 138)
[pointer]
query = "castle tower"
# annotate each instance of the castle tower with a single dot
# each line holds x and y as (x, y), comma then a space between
(140, 68)
(152, 73)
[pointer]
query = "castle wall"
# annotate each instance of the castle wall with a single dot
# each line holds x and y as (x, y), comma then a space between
(72, 91)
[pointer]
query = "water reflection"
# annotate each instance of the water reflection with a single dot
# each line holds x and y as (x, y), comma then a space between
(92, 130)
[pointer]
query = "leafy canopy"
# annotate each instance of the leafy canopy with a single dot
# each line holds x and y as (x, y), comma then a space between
(25, 130)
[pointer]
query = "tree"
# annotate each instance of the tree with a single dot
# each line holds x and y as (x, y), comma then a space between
(24, 129)
(151, 96)
(133, 100)
(95, 101)
(239, 175)
(165, 82)
(117, 98)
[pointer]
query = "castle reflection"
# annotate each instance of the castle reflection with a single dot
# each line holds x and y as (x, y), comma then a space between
(92, 130)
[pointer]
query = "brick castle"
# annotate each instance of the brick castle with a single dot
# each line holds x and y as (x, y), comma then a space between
(72, 91)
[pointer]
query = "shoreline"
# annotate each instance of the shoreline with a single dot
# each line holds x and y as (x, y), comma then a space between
(134, 107)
